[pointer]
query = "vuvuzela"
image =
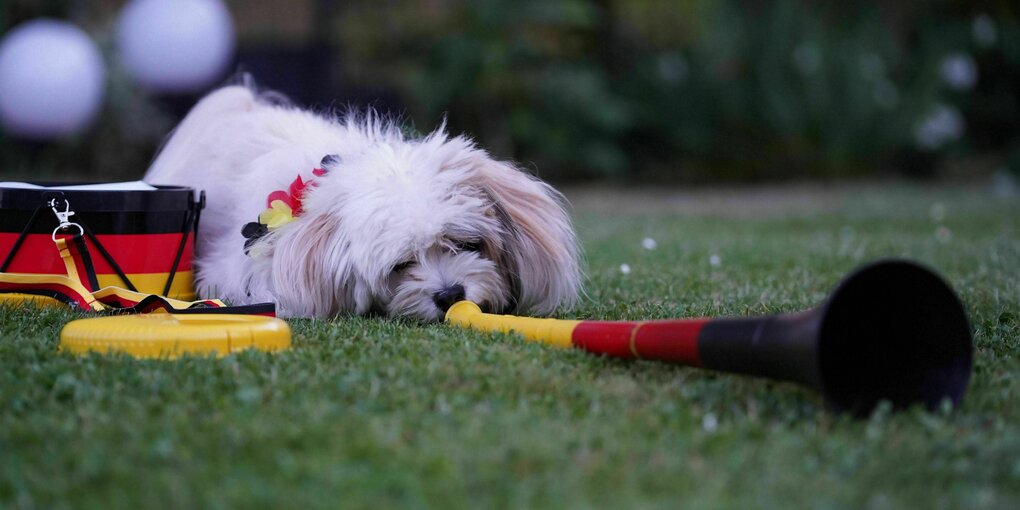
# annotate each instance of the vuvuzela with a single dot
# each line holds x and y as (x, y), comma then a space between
(892, 330)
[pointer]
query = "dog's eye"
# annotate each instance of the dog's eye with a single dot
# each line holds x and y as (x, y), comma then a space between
(472, 246)
(402, 266)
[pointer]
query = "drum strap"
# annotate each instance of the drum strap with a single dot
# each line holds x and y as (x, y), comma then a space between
(79, 288)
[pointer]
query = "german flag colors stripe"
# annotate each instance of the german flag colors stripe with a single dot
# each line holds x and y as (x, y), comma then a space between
(134, 253)
(668, 340)
(79, 286)
(181, 288)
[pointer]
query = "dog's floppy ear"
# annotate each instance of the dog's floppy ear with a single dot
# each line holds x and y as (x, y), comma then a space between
(311, 277)
(539, 238)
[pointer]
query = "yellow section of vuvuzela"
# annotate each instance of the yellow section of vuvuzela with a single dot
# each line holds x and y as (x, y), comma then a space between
(554, 332)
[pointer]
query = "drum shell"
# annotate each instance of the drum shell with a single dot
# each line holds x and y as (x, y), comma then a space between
(147, 234)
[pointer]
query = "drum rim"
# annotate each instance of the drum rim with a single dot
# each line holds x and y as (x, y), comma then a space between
(162, 199)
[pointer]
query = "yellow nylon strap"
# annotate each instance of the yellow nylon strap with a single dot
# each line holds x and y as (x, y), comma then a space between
(69, 266)
(93, 299)
(138, 296)
(72, 285)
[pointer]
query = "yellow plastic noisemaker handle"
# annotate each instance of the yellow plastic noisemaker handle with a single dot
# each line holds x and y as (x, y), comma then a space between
(553, 332)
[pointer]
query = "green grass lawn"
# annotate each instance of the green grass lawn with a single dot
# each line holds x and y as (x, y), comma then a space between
(377, 413)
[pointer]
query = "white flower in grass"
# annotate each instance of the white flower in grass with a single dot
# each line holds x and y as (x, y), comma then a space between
(959, 71)
(715, 260)
(984, 31)
(625, 268)
(673, 68)
(649, 244)
(807, 58)
(943, 124)
(872, 66)
(1004, 185)
(709, 422)
(886, 94)
(943, 234)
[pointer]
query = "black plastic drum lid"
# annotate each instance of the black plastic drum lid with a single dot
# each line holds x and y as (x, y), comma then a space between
(164, 198)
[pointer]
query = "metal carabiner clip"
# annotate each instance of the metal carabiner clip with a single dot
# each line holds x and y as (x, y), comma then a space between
(63, 218)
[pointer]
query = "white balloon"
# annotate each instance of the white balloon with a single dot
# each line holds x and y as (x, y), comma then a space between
(52, 79)
(175, 45)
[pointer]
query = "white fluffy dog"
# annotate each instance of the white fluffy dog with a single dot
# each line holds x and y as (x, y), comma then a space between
(386, 223)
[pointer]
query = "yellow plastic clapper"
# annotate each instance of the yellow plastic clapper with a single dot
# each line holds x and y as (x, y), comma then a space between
(162, 335)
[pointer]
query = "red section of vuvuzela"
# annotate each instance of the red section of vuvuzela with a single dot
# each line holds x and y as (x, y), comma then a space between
(609, 338)
(675, 341)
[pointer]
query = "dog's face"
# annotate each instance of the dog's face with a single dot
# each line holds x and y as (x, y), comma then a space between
(407, 228)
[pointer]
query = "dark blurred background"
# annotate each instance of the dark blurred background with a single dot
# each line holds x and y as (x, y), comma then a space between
(608, 90)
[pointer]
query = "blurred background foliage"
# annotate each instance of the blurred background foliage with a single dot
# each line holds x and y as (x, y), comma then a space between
(620, 90)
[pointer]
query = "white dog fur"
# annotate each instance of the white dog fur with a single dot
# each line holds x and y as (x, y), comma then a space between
(394, 222)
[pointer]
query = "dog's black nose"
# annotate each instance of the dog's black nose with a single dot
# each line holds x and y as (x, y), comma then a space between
(447, 297)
